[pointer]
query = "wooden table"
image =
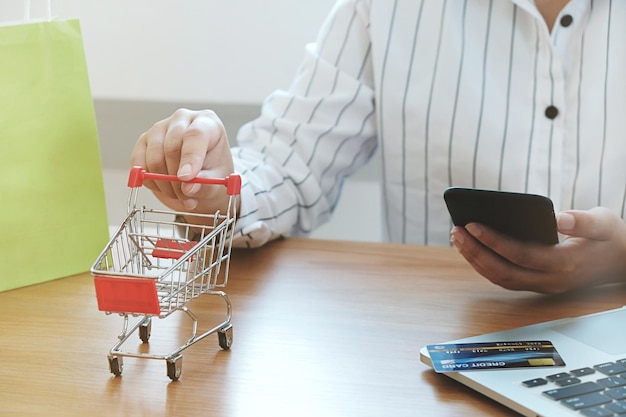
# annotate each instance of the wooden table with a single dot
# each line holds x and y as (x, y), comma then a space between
(321, 328)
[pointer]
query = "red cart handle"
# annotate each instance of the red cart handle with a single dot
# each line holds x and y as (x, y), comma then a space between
(138, 175)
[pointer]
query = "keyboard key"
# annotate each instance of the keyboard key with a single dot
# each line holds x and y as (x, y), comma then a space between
(573, 391)
(534, 382)
(585, 401)
(556, 377)
(618, 407)
(596, 412)
(612, 381)
(610, 368)
(566, 381)
(583, 371)
(617, 393)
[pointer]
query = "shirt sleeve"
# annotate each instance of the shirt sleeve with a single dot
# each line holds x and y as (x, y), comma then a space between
(294, 157)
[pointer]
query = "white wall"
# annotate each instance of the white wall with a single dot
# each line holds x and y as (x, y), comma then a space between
(146, 57)
(233, 51)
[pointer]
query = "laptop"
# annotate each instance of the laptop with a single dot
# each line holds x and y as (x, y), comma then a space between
(584, 376)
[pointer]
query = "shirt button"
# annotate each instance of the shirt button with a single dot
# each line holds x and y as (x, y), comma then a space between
(551, 112)
(566, 20)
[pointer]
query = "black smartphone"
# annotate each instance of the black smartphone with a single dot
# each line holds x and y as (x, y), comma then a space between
(525, 217)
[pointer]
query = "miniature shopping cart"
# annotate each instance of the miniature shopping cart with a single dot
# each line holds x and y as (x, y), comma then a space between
(155, 263)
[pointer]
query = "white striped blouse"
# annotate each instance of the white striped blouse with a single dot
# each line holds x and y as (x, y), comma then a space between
(452, 92)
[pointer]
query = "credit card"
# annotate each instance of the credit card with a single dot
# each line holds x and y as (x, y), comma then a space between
(458, 357)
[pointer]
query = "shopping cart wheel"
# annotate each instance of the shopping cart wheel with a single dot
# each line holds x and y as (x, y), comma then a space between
(225, 336)
(144, 330)
(116, 365)
(174, 367)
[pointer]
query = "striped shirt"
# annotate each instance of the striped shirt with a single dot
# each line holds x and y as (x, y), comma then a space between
(474, 93)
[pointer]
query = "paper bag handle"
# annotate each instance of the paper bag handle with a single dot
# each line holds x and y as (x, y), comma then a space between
(27, 10)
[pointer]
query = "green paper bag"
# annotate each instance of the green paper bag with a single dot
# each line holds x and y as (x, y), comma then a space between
(53, 220)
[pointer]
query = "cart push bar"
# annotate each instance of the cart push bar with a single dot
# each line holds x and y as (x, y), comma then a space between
(138, 175)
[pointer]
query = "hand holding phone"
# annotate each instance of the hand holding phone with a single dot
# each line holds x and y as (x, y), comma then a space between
(525, 217)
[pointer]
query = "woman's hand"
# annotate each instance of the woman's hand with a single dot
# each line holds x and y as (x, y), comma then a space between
(593, 251)
(186, 144)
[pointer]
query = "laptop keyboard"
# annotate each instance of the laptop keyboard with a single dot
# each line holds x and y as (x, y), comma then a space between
(598, 391)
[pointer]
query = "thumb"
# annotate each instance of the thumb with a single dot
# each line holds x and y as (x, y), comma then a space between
(598, 223)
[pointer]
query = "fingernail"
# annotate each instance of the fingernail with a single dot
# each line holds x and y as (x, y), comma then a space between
(474, 229)
(184, 171)
(190, 203)
(457, 242)
(565, 221)
(456, 237)
(194, 188)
